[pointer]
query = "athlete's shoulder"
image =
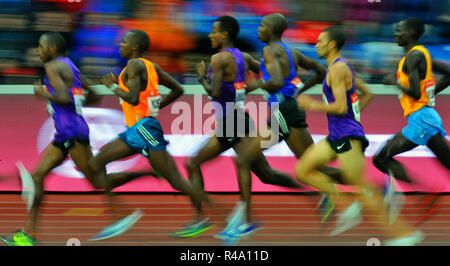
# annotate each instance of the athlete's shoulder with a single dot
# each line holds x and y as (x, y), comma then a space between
(221, 58)
(416, 53)
(414, 58)
(274, 49)
(223, 55)
(136, 62)
(55, 66)
(339, 66)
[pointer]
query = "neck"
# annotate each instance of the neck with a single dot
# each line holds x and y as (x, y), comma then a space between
(409, 46)
(226, 45)
(273, 40)
(332, 56)
(133, 56)
(53, 57)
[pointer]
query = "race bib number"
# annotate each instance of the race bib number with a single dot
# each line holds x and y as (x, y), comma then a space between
(355, 106)
(153, 105)
(430, 89)
(297, 82)
(78, 98)
(50, 109)
(240, 94)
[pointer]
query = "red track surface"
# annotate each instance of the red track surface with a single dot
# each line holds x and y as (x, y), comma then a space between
(288, 220)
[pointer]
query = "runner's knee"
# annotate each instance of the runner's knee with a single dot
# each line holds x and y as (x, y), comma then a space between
(379, 161)
(301, 171)
(241, 162)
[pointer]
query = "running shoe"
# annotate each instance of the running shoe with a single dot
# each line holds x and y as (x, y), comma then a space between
(28, 187)
(194, 229)
(394, 201)
(411, 240)
(326, 208)
(119, 227)
(234, 219)
(19, 238)
(232, 236)
(349, 219)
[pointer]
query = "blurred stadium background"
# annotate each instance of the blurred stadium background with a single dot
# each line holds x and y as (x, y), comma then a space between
(179, 31)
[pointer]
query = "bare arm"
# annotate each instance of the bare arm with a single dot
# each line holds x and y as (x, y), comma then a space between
(412, 62)
(217, 66)
(134, 71)
(444, 82)
(339, 106)
(253, 64)
(337, 79)
(91, 97)
(61, 95)
(168, 81)
(366, 95)
(310, 64)
(274, 69)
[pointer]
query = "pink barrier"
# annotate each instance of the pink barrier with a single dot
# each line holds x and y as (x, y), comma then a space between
(26, 129)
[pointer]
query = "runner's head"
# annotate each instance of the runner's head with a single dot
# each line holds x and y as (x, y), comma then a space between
(134, 44)
(51, 45)
(224, 28)
(329, 40)
(272, 25)
(408, 30)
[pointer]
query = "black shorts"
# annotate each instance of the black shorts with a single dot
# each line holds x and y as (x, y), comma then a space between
(68, 144)
(287, 115)
(243, 126)
(342, 145)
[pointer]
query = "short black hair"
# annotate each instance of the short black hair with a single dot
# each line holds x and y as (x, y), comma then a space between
(337, 34)
(279, 23)
(416, 25)
(230, 25)
(56, 38)
(141, 39)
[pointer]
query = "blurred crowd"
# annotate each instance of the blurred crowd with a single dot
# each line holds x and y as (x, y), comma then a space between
(179, 31)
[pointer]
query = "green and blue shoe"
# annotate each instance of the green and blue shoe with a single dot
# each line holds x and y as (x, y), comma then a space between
(194, 229)
(19, 238)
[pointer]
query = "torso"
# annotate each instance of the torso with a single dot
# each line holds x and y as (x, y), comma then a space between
(340, 126)
(288, 63)
(68, 119)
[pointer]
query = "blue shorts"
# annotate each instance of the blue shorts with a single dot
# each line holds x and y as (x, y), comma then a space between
(422, 125)
(144, 136)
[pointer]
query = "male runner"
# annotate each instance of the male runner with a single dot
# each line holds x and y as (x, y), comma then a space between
(226, 87)
(417, 85)
(141, 102)
(278, 67)
(346, 142)
(65, 96)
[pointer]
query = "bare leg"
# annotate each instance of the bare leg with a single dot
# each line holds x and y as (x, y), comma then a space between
(268, 175)
(164, 164)
(212, 149)
(299, 140)
(353, 163)
(52, 157)
(112, 151)
(384, 160)
(248, 151)
(439, 146)
(81, 154)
